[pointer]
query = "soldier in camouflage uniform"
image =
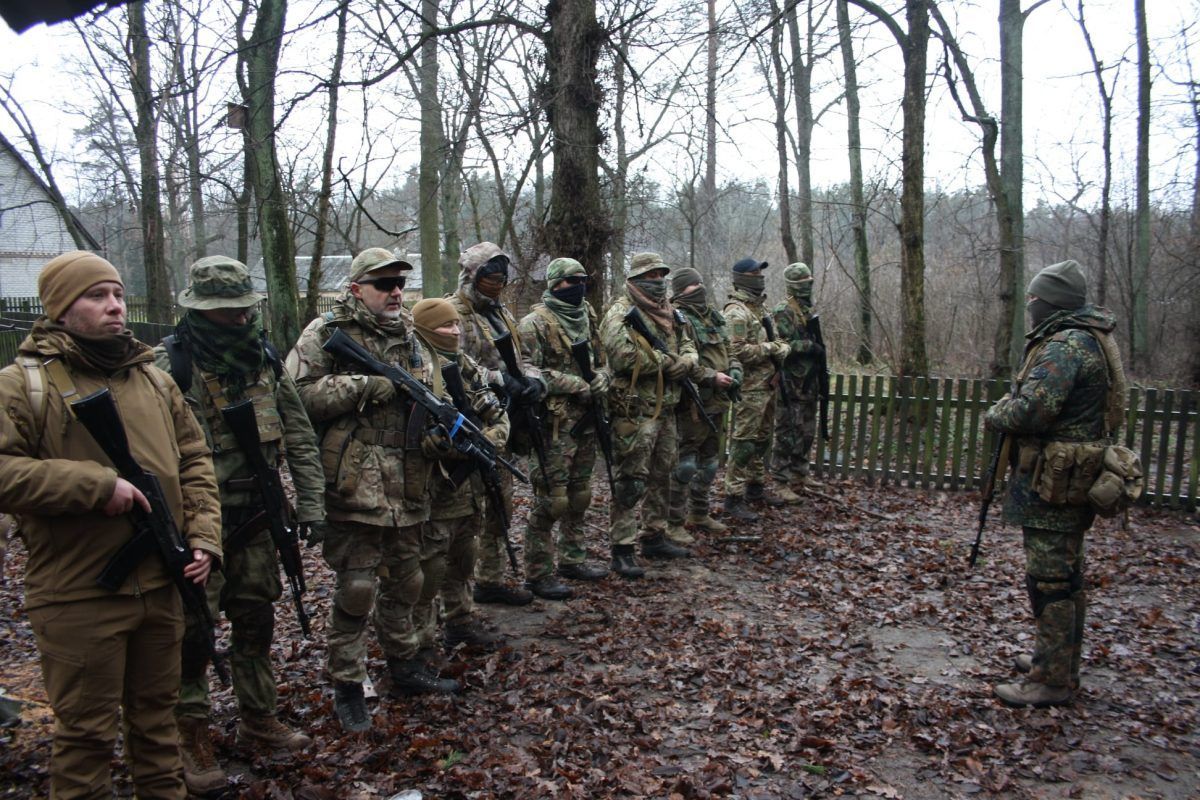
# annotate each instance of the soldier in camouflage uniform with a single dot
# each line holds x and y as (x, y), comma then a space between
(754, 416)
(457, 512)
(483, 274)
(218, 355)
(547, 333)
(642, 397)
(377, 467)
(699, 447)
(1061, 400)
(796, 420)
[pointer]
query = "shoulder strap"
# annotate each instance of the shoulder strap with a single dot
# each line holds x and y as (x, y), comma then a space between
(273, 357)
(180, 362)
(35, 383)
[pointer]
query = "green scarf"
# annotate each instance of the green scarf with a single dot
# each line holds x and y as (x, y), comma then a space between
(574, 319)
(234, 353)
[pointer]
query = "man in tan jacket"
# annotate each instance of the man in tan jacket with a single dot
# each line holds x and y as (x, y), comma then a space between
(101, 651)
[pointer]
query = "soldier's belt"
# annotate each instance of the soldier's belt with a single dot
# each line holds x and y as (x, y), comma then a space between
(241, 485)
(380, 437)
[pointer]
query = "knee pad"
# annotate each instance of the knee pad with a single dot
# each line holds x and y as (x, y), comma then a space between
(1044, 592)
(741, 451)
(579, 499)
(707, 472)
(685, 470)
(557, 503)
(356, 595)
(629, 492)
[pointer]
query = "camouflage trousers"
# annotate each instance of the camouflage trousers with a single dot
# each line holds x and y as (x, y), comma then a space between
(569, 473)
(492, 560)
(460, 536)
(377, 569)
(750, 444)
(246, 590)
(645, 451)
(795, 430)
(1054, 579)
(699, 458)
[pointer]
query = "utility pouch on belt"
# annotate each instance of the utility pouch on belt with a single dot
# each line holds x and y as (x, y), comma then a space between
(1120, 482)
(340, 476)
(1066, 471)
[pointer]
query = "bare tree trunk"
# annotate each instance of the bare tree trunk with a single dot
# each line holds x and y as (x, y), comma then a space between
(619, 174)
(244, 199)
(710, 106)
(1106, 98)
(1141, 315)
(1010, 328)
(578, 225)
(160, 304)
(312, 296)
(779, 95)
(431, 156)
(1194, 251)
(858, 212)
(259, 61)
(802, 55)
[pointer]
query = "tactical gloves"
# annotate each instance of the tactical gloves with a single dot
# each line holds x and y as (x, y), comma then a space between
(600, 383)
(377, 389)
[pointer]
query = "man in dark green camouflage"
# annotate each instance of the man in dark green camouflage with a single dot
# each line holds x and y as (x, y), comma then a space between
(1060, 410)
(796, 420)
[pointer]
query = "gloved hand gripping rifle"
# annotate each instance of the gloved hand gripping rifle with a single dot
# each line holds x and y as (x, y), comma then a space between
(598, 416)
(634, 320)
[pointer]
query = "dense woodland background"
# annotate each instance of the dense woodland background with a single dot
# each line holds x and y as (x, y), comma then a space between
(273, 129)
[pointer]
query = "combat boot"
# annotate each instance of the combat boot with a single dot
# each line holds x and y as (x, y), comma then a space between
(267, 730)
(703, 521)
(351, 706)
(1031, 693)
(499, 594)
(412, 677)
(1024, 664)
(758, 493)
(582, 571)
(201, 772)
(737, 509)
(470, 631)
(677, 534)
(784, 493)
(624, 563)
(658, 546)
(549, 587)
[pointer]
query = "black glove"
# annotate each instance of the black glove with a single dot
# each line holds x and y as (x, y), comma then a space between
(817, 350)
(513, 388)
(313, 533)
(532, 393)
(436, 446)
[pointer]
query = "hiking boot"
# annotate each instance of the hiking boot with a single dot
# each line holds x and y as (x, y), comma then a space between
(268, 730)
(413, 677)
(351, 706)
(201, 772)
(677, 534)
(624, 563)
(1024, 664)
(472, 633)
(737, 509)
(758, 493)
(582, 571)
(550, 587)
(657, 546)
(1031, 693)
(784, 493)
(705, 522)
(499, 594)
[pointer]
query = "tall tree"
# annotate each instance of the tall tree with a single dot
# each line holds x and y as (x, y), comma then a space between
(432, 154)
(777, 86)
(1141, 260)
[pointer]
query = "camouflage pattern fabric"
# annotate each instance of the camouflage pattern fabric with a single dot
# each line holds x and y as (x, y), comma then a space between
(1054, 570)
(754, 416)
(795, 423)
(460, 538)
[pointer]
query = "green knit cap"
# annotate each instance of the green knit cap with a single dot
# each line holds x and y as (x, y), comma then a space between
(561, 268)
(1062, 285)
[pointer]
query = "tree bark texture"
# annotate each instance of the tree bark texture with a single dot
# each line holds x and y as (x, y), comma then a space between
(779, 95)
(858, 211)
(432, 153)
(1141, 259)
(1010, 328)
(913, 358)
(802, 56)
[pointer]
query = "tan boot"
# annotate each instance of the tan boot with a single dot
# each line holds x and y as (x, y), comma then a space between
(270, 732)
(679, 535)
(201, 772)
(1024, 664)
(705, 522)
(784, 493)
(1031, 693)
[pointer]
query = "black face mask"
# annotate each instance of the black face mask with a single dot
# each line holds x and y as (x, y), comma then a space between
(1039, 311)
(571, 295)
(654, 288)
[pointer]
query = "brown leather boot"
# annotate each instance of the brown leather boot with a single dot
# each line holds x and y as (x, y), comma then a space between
(268, 731)
(201, 772)
(677, 534)
(1024, 664)
(703, 521)
(1031, 693)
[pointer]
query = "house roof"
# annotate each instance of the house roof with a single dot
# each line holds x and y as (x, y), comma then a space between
(7, 147)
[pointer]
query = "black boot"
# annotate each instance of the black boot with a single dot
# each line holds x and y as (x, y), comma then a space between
(757, 493)
(499, 594)
(351, 707)
(659, 546)
(737, 509)
(582, 571)
(412, 676)
(549, 587)
(472, 633)
(624, 563)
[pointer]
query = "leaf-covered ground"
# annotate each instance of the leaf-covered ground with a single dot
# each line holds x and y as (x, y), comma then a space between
(849, 653)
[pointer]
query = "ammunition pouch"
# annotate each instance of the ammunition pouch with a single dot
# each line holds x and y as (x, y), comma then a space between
(1119, 484)
(1065, 471)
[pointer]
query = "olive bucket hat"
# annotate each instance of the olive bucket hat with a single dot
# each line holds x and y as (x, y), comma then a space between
(219, 282)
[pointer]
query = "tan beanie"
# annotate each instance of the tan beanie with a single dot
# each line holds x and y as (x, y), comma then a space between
(429, 315)
(66, 277)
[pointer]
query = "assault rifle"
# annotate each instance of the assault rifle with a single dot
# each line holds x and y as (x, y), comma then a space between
(466, 436)
(784, 394)
(598, 417)
(523, 414)
(154, 530)
(634, 320)
(491, 477)
(988, 488)
(276, 514)
(821, 373)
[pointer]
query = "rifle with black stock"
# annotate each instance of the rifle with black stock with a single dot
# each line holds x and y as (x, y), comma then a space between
(526, 414)
(784, 394)
(821, 373)
(276, 512)
(598, 416)
(452, 375)
(988, 488)
(154, 530)
(634, 320)
(464, 434)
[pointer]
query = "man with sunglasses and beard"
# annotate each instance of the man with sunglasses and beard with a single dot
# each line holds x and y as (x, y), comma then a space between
(483, 274)
(377, 482)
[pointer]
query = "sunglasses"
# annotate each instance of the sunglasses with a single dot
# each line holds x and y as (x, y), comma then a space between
(385, 285)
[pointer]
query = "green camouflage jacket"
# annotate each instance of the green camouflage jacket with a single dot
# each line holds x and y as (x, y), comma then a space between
(478, 335)
(791, 319)
(545, 346)
(748, 341)
(713, 347)
(630, 358)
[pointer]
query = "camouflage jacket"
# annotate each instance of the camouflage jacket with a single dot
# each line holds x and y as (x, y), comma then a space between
(791, 320)
(1063, 398)
(639, 385)
(375, 472)
(478, 335)
(747, 340)
(545, 345)
(711, 332)
(283, 429)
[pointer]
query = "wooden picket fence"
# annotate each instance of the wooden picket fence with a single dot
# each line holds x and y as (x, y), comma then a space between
(928, 433)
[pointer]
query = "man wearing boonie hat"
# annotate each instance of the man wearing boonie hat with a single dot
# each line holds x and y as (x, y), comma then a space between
(219, 356)
(107, 656)
(377, 493)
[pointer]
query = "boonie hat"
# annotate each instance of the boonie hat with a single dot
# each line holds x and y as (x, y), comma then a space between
(219, 282)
